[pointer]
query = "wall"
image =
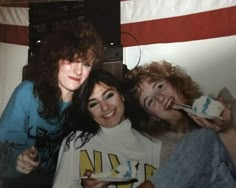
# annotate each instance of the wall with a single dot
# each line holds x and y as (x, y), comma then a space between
(12, 59)
(200, 36)
(211, 62)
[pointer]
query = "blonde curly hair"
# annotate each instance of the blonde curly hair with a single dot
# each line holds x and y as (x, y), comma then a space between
(176, 76)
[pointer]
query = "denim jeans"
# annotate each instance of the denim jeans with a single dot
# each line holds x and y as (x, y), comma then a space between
(200, 160)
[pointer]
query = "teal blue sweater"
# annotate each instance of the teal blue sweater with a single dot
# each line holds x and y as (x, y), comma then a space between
(21, 127)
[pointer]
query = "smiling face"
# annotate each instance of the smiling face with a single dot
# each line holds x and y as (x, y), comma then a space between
(155, 97)
(72, 74)
(106, 106)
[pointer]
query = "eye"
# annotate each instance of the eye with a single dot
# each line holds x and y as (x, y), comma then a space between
(160, 85)
(149, 102)
(109, 95)
(65, 62)
(92, 104)
(87, 64)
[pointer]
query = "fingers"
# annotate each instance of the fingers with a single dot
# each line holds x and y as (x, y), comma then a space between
(146, 184)
(227, 113)
(88, 173)
(93, 183)
(33, 152)
(26, 161)
(215, 124)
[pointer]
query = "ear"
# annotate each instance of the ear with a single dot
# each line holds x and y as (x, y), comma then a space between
(60, 62)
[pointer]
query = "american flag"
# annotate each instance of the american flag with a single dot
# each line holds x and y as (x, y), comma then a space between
(199, 35)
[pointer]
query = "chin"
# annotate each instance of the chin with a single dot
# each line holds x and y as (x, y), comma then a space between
(112, 124)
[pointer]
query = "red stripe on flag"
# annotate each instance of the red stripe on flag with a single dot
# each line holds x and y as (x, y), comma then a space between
(15, 4)
(211, 24)
(14, 34)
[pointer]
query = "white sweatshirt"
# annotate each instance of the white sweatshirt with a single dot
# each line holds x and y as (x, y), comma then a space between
(106, 150)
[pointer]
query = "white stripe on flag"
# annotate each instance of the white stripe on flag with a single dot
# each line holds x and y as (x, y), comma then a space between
(14, 16)
(143, 10)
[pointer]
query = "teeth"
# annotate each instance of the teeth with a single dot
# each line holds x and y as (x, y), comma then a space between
(170, 103)
(109, 114)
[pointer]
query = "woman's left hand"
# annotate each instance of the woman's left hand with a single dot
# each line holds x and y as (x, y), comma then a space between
(216, 123)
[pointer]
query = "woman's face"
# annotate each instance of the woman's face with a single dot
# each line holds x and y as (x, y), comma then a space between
(106, 106)
(72, 74)
(156, 96)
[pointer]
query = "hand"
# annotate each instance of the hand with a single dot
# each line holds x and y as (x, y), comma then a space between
(216, 123)
(93, 183)
(27, 161)
(146, 184)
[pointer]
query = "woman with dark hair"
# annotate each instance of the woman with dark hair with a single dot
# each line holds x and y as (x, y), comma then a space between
(104, 135)
(31, 126)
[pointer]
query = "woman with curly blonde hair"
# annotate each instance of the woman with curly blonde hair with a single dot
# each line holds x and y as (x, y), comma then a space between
(157, 87)
(154, 85)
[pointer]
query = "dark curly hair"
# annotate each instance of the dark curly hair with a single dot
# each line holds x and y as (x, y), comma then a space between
(64, 43)
(177, 77)
(78, 117)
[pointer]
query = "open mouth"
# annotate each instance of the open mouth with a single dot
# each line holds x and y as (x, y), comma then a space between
(109, 114)
(170, 103)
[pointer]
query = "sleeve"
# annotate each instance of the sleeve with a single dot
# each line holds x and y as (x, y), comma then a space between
(13, 136)
(200, 160)
(67, 172)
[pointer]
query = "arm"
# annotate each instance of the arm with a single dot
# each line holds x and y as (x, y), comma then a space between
(226, 128)
(13, 123)
(201, 160)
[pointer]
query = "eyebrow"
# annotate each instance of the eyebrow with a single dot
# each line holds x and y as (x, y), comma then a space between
(104, 93)
(146, 98)
(144, 102)
(154, 85)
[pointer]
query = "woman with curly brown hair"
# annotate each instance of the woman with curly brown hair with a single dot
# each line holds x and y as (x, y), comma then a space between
(31, 126)
(155, 84)
(203, 157)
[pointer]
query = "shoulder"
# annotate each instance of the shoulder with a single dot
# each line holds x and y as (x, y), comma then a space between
(198, 142)
(145, 137)
(23, 93)
(25, 85)
(169, 142)
(201, 135)
(72, 141)
(24, 88)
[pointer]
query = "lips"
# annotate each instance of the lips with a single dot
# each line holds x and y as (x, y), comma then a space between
(74, 78)
(108, 115)
(170, 103)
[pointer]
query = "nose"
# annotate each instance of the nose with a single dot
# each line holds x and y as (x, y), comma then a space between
(78, 68)
(159, 97)
(104, 105)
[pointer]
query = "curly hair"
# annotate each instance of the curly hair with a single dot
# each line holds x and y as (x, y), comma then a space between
(177, 77)
(63, 44)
